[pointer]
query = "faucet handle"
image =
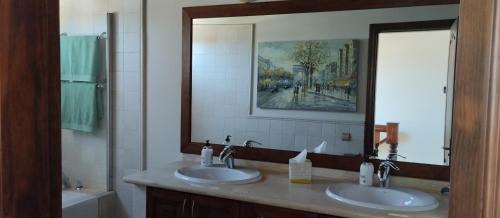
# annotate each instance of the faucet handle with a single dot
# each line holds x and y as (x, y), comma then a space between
(389, 164)
(248, 143)
(399, 155)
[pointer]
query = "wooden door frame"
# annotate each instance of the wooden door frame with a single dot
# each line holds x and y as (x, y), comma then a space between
(475, 170)
(30, 133)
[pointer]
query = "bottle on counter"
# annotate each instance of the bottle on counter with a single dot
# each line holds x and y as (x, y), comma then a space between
(207, 154)
(366, 171)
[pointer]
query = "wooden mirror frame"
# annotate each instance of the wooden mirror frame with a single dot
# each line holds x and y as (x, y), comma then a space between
(440, 172)
(286, 7)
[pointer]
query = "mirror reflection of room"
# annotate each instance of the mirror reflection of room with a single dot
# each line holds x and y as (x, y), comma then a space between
(414, 90)
(289, 82)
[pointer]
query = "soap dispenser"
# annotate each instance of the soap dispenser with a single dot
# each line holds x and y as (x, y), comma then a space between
(207, 154)
(366, 171)
(227, 141)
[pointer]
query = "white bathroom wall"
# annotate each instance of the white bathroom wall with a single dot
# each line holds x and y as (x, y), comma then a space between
(412, 69)
(80, 17)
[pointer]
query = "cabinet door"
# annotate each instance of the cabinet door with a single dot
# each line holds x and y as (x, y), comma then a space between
(261, 211)
(166, 204)
(209, 207)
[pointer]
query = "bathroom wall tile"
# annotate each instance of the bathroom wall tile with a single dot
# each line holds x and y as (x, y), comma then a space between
(127, 157)
(275, 127)
(300, 141)
(357, 132)
(99, 23)
(313, 141)
(131, 23)
(131, 6)
(115, 5)
(287, 141)
(132, 140)
(118, 63)
(132, 102)
(314, 129)
(131, 62)
(351, 147)
(328, 130)
(132, 42)
(301, 128)
(288, 127)
(119, 44)
(132, 81)
(275, 140)
(264, 125)
(252, 125)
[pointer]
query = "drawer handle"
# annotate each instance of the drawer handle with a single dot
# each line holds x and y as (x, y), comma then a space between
(184, 206)
(192, 208)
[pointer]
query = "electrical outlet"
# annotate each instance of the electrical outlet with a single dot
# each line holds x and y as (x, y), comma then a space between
(346, 137)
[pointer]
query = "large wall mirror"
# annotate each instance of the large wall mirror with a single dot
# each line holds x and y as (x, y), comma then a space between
(293, 81)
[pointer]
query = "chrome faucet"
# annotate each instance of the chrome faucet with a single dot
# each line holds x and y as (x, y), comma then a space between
(384, 171)
(227, 156)
(249, 143)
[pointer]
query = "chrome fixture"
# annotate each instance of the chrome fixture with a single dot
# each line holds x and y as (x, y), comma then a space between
(227, 156)
(249, 143)
(79, 185)
(384, 171)
(66, 184)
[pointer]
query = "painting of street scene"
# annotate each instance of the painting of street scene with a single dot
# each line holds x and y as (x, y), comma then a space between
(320, 75)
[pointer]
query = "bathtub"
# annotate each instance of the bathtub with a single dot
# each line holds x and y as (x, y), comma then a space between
(77, 204)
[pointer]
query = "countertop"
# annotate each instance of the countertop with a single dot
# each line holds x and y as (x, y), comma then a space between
(275, 190)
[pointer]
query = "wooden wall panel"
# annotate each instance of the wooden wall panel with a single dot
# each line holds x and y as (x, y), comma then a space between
(30, 146)
(475, 150)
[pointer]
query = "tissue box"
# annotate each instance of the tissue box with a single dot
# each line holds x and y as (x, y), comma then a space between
(300, 172)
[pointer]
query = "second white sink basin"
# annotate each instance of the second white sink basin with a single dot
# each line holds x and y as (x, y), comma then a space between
(218, 174)
(393, 199)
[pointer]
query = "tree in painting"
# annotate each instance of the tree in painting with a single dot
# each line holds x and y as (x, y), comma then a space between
(310, 54)
(308, 75)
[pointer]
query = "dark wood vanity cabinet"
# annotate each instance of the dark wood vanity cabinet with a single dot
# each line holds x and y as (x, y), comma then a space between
(209, 207)
(249, 210)
(173, 204)
(163, 203)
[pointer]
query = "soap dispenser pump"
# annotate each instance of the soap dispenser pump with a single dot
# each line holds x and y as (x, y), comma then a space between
(227, 141)
(366, 171)
(207, 154)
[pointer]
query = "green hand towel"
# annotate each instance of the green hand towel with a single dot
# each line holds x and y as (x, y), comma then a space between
(80, 58)
(81, 106)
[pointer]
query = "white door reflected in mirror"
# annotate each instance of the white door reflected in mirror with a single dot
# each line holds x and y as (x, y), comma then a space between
(411, 91)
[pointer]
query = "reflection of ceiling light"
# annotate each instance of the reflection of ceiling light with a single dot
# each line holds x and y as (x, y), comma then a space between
(247, 1)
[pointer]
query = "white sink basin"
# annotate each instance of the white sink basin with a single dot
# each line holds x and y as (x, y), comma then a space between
(393, 199)
(217, 174)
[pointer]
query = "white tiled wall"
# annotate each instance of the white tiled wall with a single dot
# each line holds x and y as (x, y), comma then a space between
(126, 70)
(221, 97)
